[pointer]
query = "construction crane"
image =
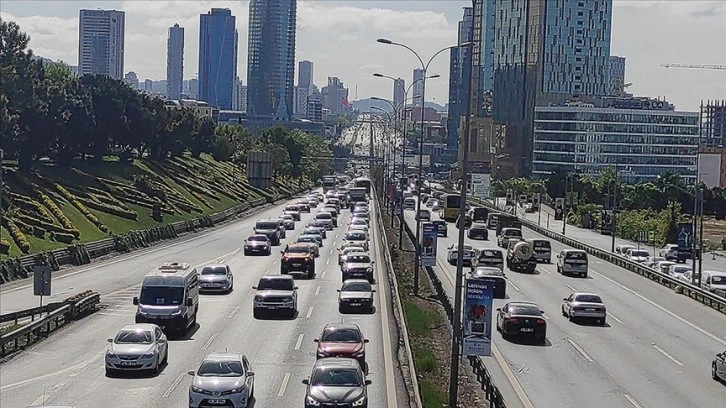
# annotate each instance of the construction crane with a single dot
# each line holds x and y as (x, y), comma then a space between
(693, 66)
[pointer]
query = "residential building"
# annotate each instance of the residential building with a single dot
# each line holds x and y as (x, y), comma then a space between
(238, 93)
(399, 92)
(335, 96)
(301, 101)
(713, 119)
(174, 62)
(101, 43)
(305, 75)
(271, 59)
(148, 85)
(642, 137)
(132, 79)
(193, 88)
(217, 57)
(429, 114)
(201, 108)
(616, 83)
(418, 87)
(459, 77)
(314, 110)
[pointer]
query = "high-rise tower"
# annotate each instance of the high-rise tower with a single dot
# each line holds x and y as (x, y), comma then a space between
(174, 62)
(217, 57)
(101, 42)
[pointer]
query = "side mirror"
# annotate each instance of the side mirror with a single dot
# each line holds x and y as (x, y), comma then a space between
(250, 373)
(136, 300)
(373, 291)
(306, 381)
(282, 252)
(254, 287)
(372, 262)
(109, 340)
(565, 299)
(191, 372)
(366, 340)
(339, 290)
(369, 382)
(541, 311)
(316, 340)
(190, 302)
(499, 309)
(295, 288)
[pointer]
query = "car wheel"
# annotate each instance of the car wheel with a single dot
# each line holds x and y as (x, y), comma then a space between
(563, 312)
(166, 357)
(714, 374)
(256, 313)
(341, 308)
(292, 312)
(542, 340)
(549, 260)
(247, 253)
(570, 317)
(157, 369)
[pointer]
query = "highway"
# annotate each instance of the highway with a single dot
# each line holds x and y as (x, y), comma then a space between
(656, 350)
(68, 367)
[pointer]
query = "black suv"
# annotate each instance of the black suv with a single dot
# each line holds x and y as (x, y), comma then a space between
(271, 228)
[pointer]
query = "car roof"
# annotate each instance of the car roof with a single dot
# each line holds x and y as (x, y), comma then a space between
(336, 362)
(356, 281)
(142, 326)
(585, 294)
(523, 303)
(338, 326)
(298, 244)
(215, 266)
(272, 277)
(224, 356)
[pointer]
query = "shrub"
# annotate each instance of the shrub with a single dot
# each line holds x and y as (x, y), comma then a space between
(33, 222)
(109, 209)
(54, 209)
(20, 240)
(47, 258)
(82, 208)
(61, 237)
(39, 232)
(79, 254)
(4, 246)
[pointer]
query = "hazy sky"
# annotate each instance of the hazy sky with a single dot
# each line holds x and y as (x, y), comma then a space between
(340, 38)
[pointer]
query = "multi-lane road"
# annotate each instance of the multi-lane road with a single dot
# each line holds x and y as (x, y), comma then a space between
(655, 351)
(68, 367)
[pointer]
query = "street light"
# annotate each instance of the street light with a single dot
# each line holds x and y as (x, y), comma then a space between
(386, 150)
(425, 67)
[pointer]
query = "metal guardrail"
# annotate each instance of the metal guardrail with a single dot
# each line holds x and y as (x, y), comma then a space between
(58, 314)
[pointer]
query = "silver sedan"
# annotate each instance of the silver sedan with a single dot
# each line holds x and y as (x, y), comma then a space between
(584, 306)
(224, 379)
(137, 347)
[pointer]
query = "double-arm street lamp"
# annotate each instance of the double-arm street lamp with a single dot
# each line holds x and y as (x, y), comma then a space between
(425, 67)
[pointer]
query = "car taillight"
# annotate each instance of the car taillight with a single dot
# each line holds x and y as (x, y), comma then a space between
(512, 320)
(540, 321)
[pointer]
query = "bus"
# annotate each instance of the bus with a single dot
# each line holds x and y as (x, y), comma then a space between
(329, 183)
(450, 205)
(365, 183)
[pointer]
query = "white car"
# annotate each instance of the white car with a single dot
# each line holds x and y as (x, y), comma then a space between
(137, 347)
(638, 255)
(669, 252)
(677, 270)
(584, 306)
(652, 260)
(222, 379)
(663, 266)
(344, 252)
(469, 254)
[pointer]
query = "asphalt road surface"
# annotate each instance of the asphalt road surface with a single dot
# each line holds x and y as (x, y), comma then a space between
(68, 367)
(655, 351)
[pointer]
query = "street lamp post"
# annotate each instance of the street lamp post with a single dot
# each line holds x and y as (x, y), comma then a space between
(425, 67)
(386, 152)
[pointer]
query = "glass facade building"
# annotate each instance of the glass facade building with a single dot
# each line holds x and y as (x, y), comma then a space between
(217, 57)
(101, 42)
(460, 64)
(641, 143)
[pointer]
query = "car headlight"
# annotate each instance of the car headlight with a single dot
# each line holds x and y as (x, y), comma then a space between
(176, 312)
(237, 390)
(197, 389)
(151, 354)
(259, 298)
(359, 353)
(360, 401)
(312, 401)
(110, 355)
(370, 269)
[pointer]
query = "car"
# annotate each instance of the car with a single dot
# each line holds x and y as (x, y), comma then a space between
(298, 258)
(409, 203)
(320, 224)
(652, 260)
(669, 252)
(718, 367)
(492, 257)
(309, 230)
(424, 215)
(216, 277)
(478, 230)
(327, 218)
(358, 265)
(623, 249)
(313, 201)
(317, 237)
(677, 270)
(275, 293)
(257, 244)
(359, 223)
(638, 255)
(269, 228)
(344, 251)
(572, 262)
(663, 266)
(336, 382)
(442, 227)
(355, 294)
(294, 210)
(304, 206)
(310, 240)
(364, 214)
(357, 237)
(523, 319)
(508, 233)
(333, 210)
(222, 379)
(431, 202)
(360, 205)
(588, 306)
(288, 221)
(137, 347)
(469, 254)
(343, 340)
(492, 273)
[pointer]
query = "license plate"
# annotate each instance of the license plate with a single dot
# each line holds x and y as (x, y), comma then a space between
(217, 401)
(296, 264)
(272, 307)
(355, 304)
(526, 330)
(591, 310)
(128, 363)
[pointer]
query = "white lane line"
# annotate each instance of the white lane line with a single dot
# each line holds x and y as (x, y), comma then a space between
(208, 343)
(668, 356)
(274, 262)
(571, 288)
(526, 403)
(40, 401)
(283, 386)
(515, 286)
(310, 312)
(227, 256)
(57, 386)
(233, 312)
(548, 272)
(693, 326)
(632, 401)
(331, 252)
(612, 316)
(173, 385)
(317, 291)
(322, 275)
(299, 341)
(327, 262)
(115, 314)
(580, 350)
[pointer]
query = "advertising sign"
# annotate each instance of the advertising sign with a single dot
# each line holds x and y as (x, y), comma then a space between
(429, 236)
(685, 240)
(480, 185)
(398, 202)
(559, 208)
(478, 312)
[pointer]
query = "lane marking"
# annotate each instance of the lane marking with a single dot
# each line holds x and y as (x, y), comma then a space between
(208, 343)
(632, 401)
(283, 386)
(693, 326)
(668, 356)
(615, 318)
(274, 262)
(233, 312)
(57, 386)
(173, 385)
(515, 286)
(580, 350)
(571, 288)
(548, 272)
(299, 341)
(40, 401)
(327, 262)
(317, 291)
(331, 252)
(510, 376)
(323, 274)
(310, 312)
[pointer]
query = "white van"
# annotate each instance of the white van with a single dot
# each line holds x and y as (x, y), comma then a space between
(572, 262)
(714, 282)
(169, 297)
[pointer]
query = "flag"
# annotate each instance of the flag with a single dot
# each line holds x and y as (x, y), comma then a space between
(345, 102)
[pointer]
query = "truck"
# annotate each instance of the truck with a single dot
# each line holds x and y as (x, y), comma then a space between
(357, 195)
(520, 257)
(330, 183)
(507, 221)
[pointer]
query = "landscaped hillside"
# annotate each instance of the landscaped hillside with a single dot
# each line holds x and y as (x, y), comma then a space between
(53, 206)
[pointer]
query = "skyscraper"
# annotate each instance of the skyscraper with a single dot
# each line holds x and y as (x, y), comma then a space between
(417, 87)
(271, 58)
(174, 62)
(459, 68)
(399, 92)
(616, 82)
(335, 96)
(217, 57)
(305, 75)
(101, 42)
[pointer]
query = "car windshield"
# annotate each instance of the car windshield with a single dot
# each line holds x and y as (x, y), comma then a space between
(313, 231)
(275, 284)
(639, 253)
(513, 233)
(359, 221)
(718, 280)
(211, 368)
(298, 250)
(266, 225)
(588, 299)
(287, 217)
(336, 377)
(491, 254)
(214, 270)
(292, 208)
(524, 310)
(541, 244)
(349, 250)
(341, 336)
(137, 336)
(258, 238)
(324, 216)
(576, 255)
(161, 295)
(356, 287)
(355, 258)
(307, 239)
(355, 237)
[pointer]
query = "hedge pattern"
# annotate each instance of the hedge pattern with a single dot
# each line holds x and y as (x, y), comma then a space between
(79, 254)
(109, 209)
(54, 209)
(4, 246)
(20, 240)
(82, 208)
(34, 222)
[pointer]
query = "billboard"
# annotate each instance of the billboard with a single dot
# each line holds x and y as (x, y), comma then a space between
(259, 169)
(429, 238)
(480, 185)
(478, 312)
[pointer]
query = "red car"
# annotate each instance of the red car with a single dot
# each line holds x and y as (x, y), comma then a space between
(343, 340)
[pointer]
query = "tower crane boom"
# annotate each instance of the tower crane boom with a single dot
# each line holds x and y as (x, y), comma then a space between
(693, 66)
